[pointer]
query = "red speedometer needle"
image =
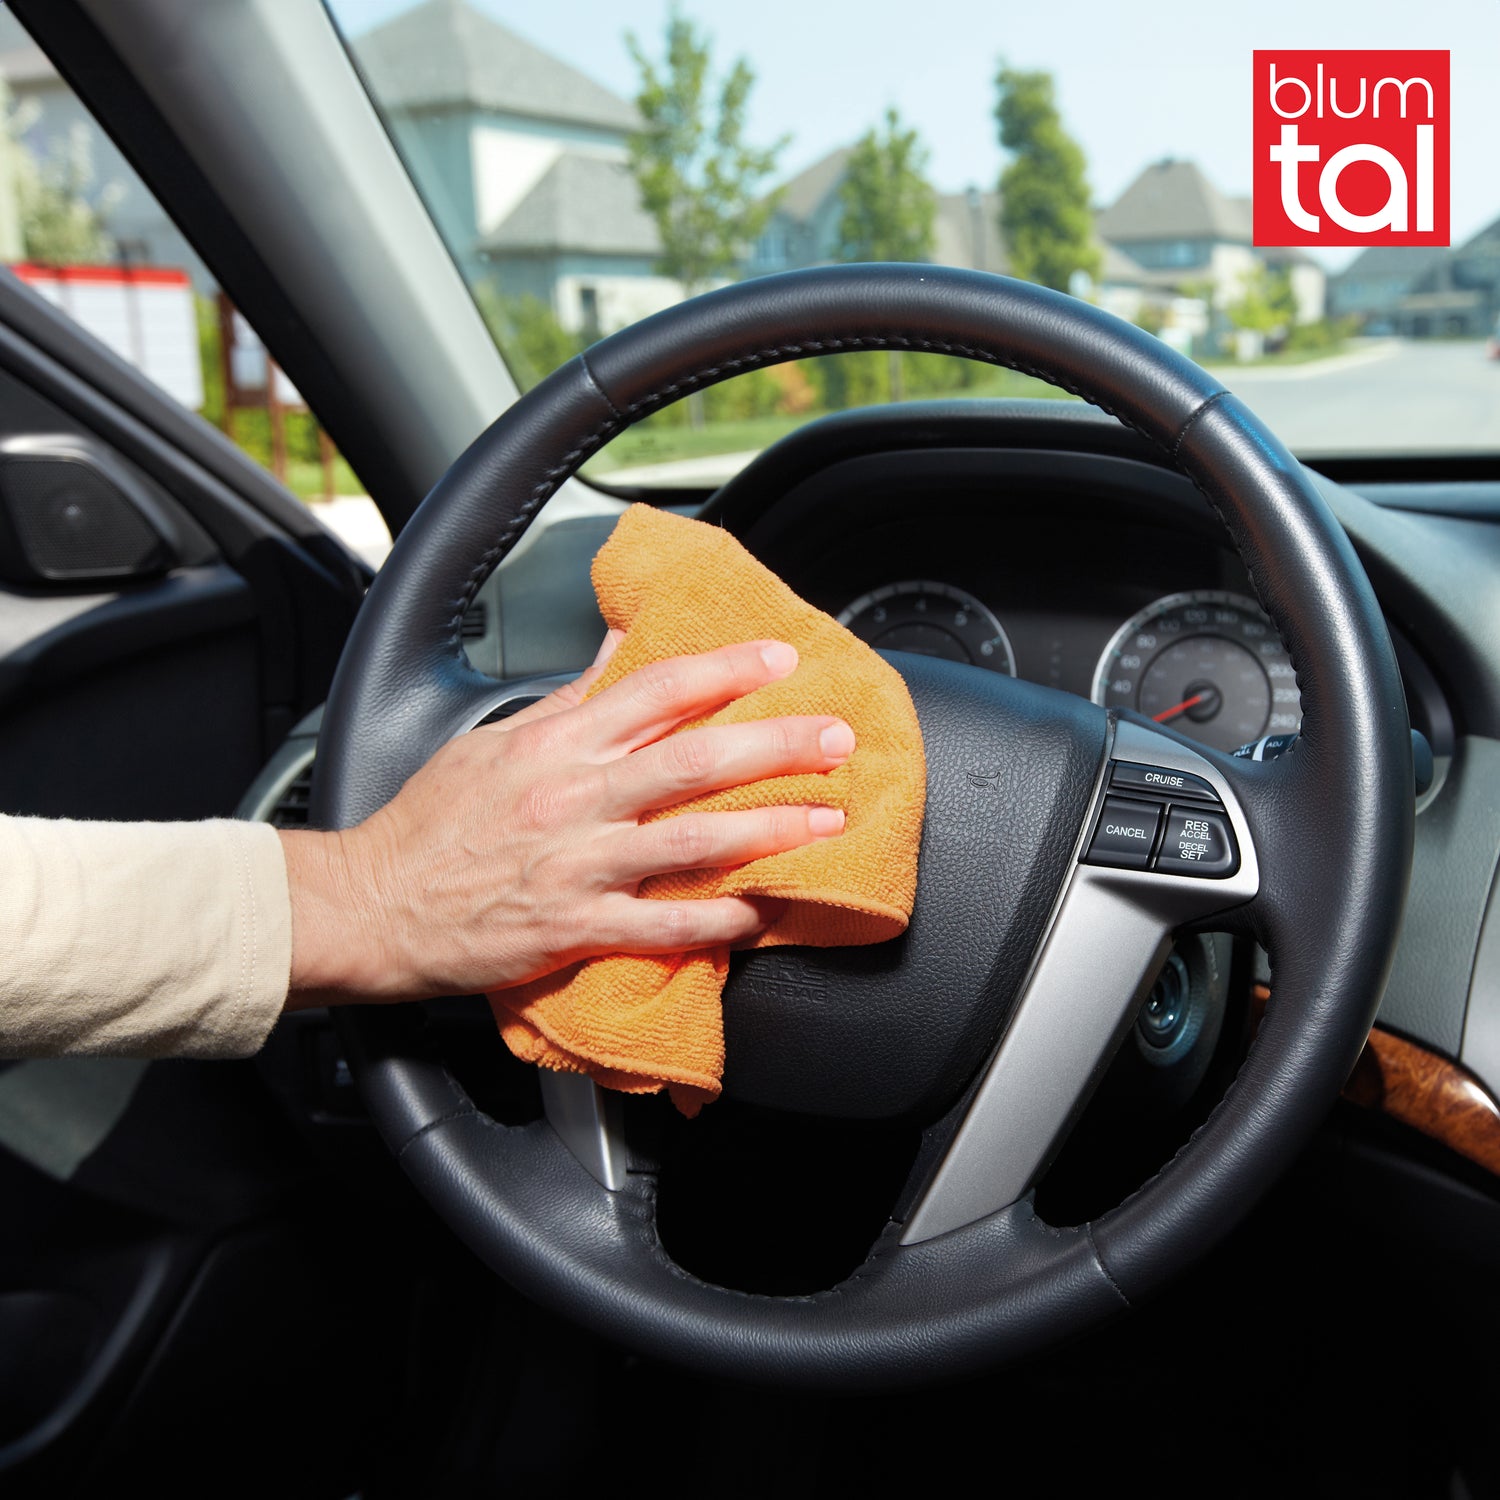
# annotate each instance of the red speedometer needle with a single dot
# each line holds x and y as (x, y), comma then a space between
(1178, 708)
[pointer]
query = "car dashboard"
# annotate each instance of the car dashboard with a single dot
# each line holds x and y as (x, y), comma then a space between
(1084, 560)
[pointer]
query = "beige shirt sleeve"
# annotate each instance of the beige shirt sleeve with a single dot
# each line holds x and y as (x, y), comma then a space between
(141, 939)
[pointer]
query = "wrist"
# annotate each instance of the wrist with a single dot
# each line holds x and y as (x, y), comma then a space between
(338, 948)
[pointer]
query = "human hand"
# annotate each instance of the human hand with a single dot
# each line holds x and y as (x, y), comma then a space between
(518, 848)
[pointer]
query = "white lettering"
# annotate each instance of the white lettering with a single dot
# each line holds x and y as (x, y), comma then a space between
(1125, 830)
(1424, 179)
(1401, 87)
(1291, 155)
(1392, 216)
(1333, 99)
(1278, 84)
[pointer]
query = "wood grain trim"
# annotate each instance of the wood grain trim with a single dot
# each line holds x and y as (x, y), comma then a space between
(1430, 1093)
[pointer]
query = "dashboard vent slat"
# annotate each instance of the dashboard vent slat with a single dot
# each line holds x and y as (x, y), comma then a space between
(475, 621)
(291, 809)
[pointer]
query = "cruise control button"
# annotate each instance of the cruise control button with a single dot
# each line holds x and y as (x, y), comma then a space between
(1197, 842)
(1126, 776)
(1125, 834)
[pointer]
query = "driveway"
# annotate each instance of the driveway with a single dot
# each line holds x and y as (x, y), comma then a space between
(1415, 396)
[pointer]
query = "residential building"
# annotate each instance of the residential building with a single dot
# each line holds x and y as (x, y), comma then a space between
(1176, 245)
(52, 125)
(1444, 293)
(1371, 286)
(804, 228)
(524, 163)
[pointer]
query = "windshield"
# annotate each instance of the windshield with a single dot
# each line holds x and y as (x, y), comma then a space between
(589, 163)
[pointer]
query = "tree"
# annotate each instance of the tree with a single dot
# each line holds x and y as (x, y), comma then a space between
(528, 332)
(1045, 215)
(60, 218)
(888, 207)
(1266, 303)
(1265, 309)
(699, 178)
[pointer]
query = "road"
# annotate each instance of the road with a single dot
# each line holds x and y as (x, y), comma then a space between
(1401, 396)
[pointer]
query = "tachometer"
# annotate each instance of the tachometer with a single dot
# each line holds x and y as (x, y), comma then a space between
(931, 619)
(1210, 664)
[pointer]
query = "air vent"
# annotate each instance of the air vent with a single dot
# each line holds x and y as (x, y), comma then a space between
(475, 621)
(290, 809)
(509, 707)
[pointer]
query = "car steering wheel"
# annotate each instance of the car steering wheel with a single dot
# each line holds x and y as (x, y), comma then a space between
(1042, 912)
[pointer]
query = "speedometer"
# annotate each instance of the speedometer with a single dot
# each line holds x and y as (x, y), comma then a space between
(1210, 664)
(931, 619)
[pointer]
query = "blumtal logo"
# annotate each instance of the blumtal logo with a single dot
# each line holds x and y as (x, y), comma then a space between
(1351, 148)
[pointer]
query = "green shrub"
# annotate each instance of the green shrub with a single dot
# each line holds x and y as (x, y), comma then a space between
(1326, 333)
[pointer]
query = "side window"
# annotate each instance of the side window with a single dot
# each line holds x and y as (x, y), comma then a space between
(84, 232)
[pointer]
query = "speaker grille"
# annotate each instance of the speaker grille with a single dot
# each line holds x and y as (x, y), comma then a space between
(72, 522)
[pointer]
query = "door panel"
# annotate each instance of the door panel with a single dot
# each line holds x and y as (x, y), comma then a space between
(151, 659)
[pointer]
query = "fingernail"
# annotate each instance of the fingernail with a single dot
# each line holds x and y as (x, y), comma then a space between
(825, 821)
(607, 646)
(837, 741)
(780, 659)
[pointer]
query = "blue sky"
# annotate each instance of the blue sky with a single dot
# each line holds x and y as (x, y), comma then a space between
(1136, 82)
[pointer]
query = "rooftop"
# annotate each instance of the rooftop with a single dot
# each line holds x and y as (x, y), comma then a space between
(802, 195)
(444, 53)
(1173, 200)
(966, 232)
(1392, 263)
(581, 203)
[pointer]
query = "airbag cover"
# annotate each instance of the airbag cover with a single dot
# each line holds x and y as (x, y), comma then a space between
(899, 1028)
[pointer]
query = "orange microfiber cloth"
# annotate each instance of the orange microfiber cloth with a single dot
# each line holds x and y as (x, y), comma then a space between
(643, 1023)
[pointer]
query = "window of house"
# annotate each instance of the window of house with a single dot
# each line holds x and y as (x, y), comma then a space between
(771, 249)
(588, 312)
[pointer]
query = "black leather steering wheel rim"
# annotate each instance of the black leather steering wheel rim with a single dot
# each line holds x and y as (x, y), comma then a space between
(1333, 819)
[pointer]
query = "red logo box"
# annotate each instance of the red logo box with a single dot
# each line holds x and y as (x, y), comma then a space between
(1351, 148)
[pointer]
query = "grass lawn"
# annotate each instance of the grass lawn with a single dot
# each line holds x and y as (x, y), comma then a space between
(644, 444)
(1282, 357)
(304, 478)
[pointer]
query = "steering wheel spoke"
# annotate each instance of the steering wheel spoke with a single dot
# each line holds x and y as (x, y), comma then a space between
(1160, 808)
(590, 1123)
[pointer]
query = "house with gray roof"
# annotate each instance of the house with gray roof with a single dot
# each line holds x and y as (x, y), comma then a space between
(1172, 232)
(1374, 285)
(523, 161)
(1172, 218)
(804, 229)
(1458, 294)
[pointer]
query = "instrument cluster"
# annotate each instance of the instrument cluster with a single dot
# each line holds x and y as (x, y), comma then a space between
(1206, 661)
